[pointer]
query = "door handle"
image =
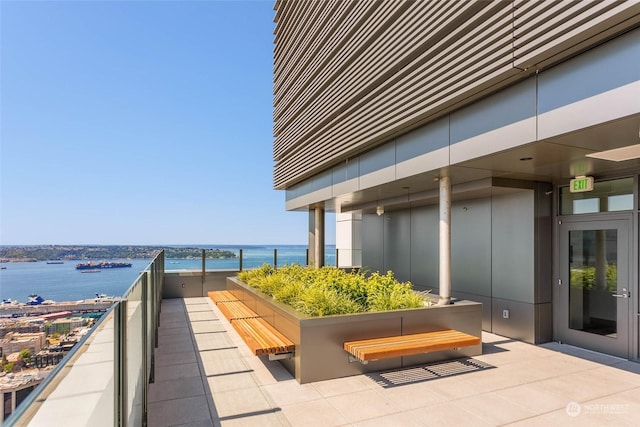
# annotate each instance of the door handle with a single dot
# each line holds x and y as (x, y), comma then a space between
(624, 294)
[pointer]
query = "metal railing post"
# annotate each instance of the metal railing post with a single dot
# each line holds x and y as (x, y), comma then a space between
(275, 259)
(145, 347)
(240, 260)
(204, 266)
(153, 338)
(158, 292)
(120, 363)
(337, 264)
(307, 258)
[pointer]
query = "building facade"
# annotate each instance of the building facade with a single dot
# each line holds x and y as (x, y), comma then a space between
(514, 123)
(66, 325)
(14, 388)
(21, 325)
(14, 342)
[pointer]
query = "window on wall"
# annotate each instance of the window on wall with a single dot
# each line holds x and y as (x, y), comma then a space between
(607, 196)
(7, 404)
(22, 394)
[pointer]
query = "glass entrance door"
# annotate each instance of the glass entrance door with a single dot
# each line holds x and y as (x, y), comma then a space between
(594, 298)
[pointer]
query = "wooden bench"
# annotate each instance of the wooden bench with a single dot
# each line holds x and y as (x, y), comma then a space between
(260, 336)
(230, 306)
(236, 310)
(222, 296)
(406, 345)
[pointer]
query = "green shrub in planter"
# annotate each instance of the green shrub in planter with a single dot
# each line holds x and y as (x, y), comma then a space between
(585, 278)
(330, 291)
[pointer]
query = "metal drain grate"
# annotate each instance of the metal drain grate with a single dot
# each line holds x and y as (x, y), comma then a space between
(428, 372)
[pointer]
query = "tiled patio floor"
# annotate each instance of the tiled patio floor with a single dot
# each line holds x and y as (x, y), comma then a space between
(206, 376)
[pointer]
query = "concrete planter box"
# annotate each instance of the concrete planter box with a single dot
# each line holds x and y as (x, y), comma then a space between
(319, 354)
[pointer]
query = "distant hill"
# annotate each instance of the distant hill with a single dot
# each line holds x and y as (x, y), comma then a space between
(79, 252)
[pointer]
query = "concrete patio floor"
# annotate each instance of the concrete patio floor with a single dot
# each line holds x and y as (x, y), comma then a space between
(206, 376)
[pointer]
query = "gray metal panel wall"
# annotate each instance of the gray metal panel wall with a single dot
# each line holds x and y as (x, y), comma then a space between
(349, 76)
(373, 240)
(594, 72)
(423, 140)
(377, 159)
(397, 251)
(510, 106)
(424, 247)
(512, 250)
(635, 305)
(500, 255)
(471, 246)
(544, 196)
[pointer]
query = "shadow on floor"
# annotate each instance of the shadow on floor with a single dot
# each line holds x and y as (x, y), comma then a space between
(494, 346)
(432, 371)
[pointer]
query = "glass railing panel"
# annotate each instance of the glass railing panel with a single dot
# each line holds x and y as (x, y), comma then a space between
(255, 256)
(80, 390)
(223, 258)
(247, 257)
(288, 255)
(183, 264)
(135, 352)
(330, 255)
(150, 321)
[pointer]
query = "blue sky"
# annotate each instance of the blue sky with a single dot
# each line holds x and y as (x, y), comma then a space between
(140, 122)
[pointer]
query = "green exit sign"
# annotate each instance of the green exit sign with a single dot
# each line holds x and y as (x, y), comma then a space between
(581, 184)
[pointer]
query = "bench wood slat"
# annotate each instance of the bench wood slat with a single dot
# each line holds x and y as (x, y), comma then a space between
(236, 310)
(261, 337)
(405, 345)
(221, 296)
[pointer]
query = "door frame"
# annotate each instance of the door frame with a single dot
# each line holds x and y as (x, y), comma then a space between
(560, 313)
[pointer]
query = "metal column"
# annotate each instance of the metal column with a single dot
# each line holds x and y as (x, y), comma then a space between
(445, 241)
(316, 236)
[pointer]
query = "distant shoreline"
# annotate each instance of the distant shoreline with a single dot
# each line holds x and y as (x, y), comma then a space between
(35, 253)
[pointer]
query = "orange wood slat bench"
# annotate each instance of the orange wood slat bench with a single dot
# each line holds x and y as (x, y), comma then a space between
(260, 336)
(222, 296)
(236, 310)
(406, 345)
(230, 306)
(263, 339)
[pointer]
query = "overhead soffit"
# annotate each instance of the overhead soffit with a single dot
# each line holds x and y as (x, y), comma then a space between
(560, 158)
(618, 154)
(411, 199)
(554, 161)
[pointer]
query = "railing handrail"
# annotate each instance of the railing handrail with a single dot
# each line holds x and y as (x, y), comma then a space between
(241, 259)
(147, 290)
(27, 403)
(149, 277)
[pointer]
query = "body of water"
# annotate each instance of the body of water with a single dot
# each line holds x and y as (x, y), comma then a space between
(62, 282)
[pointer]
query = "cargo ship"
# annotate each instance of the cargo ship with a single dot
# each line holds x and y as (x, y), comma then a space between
(98, 265)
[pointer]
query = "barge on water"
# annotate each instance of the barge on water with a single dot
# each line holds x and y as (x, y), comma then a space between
(98, 265)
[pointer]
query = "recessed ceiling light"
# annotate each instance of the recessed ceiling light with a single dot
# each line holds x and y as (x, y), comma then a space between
(618, 154)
